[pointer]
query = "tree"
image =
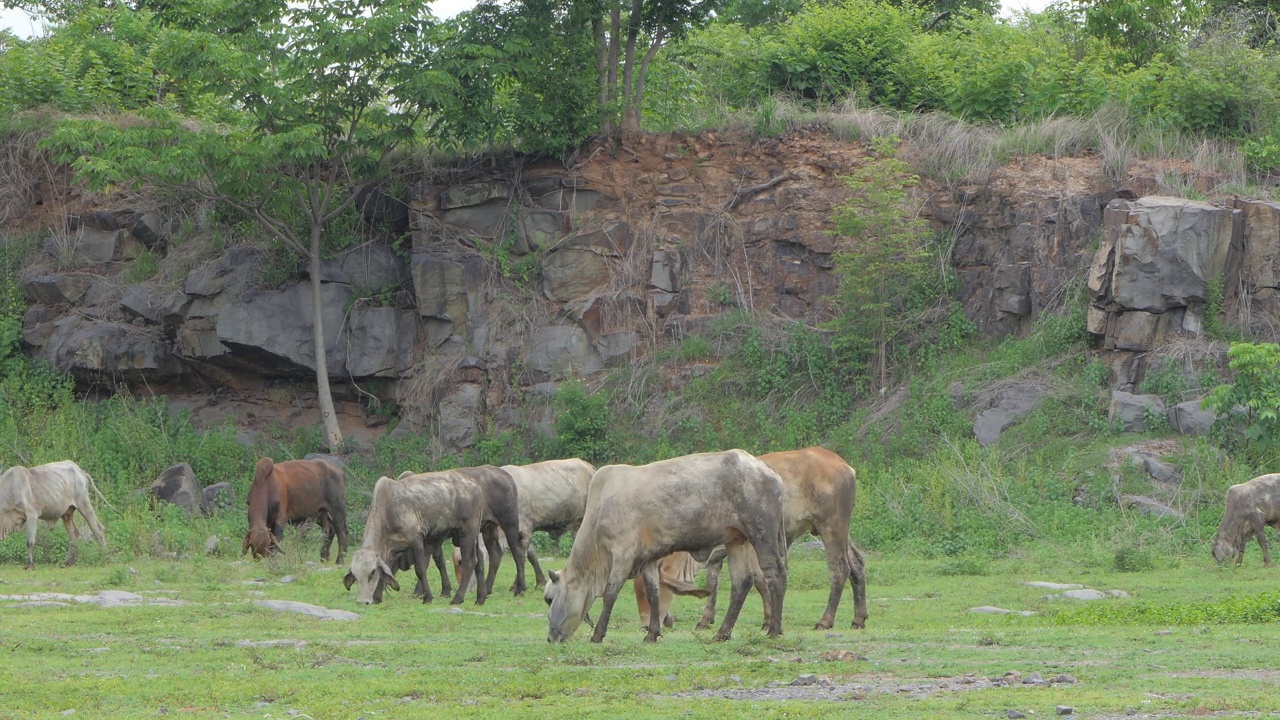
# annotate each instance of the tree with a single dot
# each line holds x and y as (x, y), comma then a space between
(888, 266)
(325, 89)
(1141, 29)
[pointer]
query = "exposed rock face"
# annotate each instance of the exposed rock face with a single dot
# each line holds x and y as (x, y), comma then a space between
(1151, 276)
(521, 280)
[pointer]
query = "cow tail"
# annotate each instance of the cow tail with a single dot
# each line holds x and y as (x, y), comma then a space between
(263, 469)
(782, 543)
(97, 492)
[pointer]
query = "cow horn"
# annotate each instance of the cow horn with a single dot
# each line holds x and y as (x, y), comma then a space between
(348, 580)
(555, 576)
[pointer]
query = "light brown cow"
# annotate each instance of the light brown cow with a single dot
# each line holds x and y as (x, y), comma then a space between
(635, 516)
(675, 575)
(48, 492)
(818, 495)
(1251, 507)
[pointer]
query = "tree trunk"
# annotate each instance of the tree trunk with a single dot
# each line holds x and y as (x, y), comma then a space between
(602, 63)
(637, 108)
(611, 80)
(332, 433)
(628, 69)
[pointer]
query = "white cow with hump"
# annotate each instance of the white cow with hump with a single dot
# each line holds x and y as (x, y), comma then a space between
(47, 492)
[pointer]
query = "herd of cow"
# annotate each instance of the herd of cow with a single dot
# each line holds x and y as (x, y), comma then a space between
(654, 523)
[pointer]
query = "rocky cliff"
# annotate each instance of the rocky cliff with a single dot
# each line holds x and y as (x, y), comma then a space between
(520, 278)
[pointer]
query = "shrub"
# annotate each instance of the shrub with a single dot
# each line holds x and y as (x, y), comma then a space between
(582, 428)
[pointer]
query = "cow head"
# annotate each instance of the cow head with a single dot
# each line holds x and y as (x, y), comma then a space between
(566, 607)
(261, 540)
(1225, 548)
(372, 573)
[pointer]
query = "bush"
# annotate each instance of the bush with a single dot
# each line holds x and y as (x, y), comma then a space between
(582, 428)
(1130, 559)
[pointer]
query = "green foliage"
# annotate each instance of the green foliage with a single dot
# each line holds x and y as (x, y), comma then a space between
(1234, 610)
(694, 349)
(1141, 30)
(1132, 559)
(144, 267)
(1262, 153)
(889, 272)
(583, 425)
(826, 52)
(1249, 407)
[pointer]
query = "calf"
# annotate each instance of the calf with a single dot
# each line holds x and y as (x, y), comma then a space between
(47, 492)
(675, 574)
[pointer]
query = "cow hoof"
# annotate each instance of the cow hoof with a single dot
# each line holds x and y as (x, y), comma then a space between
(651, 637)
(721, 637)
(702, 626)
(29, 566)
(859, 625)
(456, 601)
(824, 625)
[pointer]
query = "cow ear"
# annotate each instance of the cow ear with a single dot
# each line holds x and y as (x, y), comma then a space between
(389, 577)
(349, 580)
(555, 576)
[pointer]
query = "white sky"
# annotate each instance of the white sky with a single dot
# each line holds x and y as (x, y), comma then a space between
(23, 25)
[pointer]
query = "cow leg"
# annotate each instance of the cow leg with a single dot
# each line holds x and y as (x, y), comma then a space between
(466, 544)
(1260, 531)
(538, 576)
(420, 566)
(653, 596)
(642, 599)
(714, 565)
(838, 570)
(665, 596)
(611, 590)
(327, 533)
(494, 546)
(70, 524)
(740, 585)
(769, 560)
(858, 579)
(446, 584)
(423, 588)
(511, 531)
(340, 521)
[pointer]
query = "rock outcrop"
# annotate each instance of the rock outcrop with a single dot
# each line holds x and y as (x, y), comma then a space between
(516, 281)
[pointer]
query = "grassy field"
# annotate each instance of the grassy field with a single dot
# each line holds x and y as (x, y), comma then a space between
(923, 655)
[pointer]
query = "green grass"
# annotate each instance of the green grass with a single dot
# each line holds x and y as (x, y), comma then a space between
(404, 659)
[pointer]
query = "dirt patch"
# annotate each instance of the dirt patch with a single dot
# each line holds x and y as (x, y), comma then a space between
(856, 688)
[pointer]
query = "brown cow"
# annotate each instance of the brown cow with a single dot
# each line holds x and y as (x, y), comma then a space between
(818, 494)
(675, 575)
(635, 516)
(293, 492)
(1251, 507)
(47, 492)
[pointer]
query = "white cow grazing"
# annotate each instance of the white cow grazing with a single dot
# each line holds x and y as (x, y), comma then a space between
(552, 497)
(47, 492)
